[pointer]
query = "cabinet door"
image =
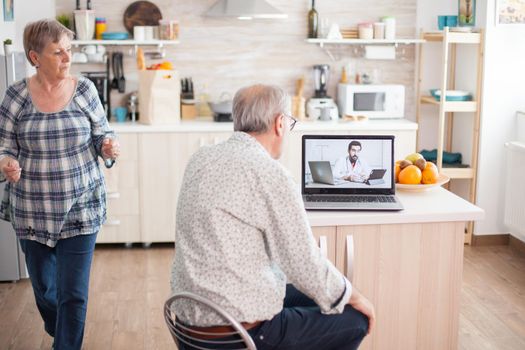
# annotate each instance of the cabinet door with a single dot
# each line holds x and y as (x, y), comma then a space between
(163, 160)
(326, 238)
(405, 271)
(122, 186)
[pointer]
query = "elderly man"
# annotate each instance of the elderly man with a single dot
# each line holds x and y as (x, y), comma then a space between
(243, 234)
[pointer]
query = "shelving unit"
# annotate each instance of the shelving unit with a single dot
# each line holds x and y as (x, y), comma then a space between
(448, 109)
(128, 42)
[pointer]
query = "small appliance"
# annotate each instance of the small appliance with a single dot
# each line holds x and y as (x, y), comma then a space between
(321, 106)
(371, 100)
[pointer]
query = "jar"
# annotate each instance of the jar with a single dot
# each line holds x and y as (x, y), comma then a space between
(100, 27)
(390, 27)
(168, 29)
(379, 30)
(366, 31)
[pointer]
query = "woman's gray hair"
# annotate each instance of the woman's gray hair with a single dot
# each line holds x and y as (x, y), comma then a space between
(255, 107)
(40, 33)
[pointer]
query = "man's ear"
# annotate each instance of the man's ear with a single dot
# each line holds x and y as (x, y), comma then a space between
(279, 125)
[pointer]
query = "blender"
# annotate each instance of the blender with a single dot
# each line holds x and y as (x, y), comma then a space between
(321, 106)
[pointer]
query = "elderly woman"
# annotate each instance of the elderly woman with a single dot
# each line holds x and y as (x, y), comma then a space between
(52, 131)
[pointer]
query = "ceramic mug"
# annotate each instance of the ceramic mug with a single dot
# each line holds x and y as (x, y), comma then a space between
(89, 49)
(79, 57)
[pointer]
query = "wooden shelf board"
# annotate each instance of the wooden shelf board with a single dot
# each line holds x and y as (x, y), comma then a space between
(454, 37)
(365, 42)
(452, 106)
(458, 173)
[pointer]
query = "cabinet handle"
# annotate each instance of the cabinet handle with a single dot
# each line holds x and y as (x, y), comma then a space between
(202, 142)
(323, 245)
(350, 257)
(113, 195)
(112, 223)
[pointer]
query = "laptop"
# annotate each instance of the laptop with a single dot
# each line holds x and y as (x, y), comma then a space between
(326, 160)
(322, 173)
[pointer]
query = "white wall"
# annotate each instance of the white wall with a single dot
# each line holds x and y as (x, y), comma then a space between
(503, 95)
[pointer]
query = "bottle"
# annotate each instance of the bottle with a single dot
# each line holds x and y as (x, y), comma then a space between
(313, 21)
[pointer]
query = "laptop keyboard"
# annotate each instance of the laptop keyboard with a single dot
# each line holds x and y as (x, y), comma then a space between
(351, 199)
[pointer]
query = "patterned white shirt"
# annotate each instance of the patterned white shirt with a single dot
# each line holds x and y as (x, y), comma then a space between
(242, 234)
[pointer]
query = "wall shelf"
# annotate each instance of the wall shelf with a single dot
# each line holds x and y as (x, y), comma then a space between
(322, 42)
(136, 43)
(452, 106)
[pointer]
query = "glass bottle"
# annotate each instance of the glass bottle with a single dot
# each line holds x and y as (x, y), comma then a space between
(313, 21)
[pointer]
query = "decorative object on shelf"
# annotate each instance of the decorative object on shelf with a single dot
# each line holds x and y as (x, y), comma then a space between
(141, 13)
(467, 13)
(447, 21)
(8, 47)
(313, 21)
(65, 20)
(334, 33)
(349, 33)
(114, 36)
(390, 27)
(100, 27)
(366, 30)
(168, 29)
(84, 24)
(9, 12)
(510, 12)
(379, 30)
(452, 95)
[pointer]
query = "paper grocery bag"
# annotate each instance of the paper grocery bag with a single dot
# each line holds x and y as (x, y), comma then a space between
(159, 96)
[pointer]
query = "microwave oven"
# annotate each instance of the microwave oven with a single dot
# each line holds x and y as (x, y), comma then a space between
(372, 101)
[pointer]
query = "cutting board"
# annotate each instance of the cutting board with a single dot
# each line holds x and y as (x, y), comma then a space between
(141, 13)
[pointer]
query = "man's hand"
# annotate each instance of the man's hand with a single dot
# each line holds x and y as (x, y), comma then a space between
(110, 148)
(11, 169)
(362, 304)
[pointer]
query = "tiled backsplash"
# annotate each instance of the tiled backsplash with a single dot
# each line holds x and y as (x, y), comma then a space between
(225, 54)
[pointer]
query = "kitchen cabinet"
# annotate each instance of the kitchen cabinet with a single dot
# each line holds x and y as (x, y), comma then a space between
(122, 186)
(412, 275)
(164, 157)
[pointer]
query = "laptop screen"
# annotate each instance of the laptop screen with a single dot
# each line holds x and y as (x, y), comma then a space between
(347, 164)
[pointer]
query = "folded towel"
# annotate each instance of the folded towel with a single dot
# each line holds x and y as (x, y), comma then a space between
(448, 157)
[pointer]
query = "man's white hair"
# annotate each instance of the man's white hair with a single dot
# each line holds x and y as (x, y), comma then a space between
(255, 107)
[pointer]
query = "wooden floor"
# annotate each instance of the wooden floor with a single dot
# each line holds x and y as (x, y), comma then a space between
(129, 286)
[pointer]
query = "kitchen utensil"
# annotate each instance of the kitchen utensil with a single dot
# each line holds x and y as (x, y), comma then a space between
(298, 100)
(141, 13)
(452, 95)
(114, 66)
(133, 101)
(84, 24)
(114, 36)
(224, 106)
(122, 80)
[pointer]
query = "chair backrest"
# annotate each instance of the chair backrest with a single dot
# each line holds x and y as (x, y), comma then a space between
(205, 340)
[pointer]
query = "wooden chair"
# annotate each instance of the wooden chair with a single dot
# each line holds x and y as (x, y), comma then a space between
(186, 337)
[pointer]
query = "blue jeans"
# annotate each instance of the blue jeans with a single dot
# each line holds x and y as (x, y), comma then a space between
(302, 326)
(60, 280)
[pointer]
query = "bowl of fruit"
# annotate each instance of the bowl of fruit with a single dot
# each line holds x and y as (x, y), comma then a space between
(414, 173)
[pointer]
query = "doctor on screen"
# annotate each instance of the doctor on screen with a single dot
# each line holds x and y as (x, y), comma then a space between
(352, 167)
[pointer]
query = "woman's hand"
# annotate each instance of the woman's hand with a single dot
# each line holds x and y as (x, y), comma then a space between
(362, 304)
(11, 169)
(110, 148)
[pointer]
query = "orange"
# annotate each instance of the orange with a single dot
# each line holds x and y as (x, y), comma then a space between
(411, 175)
(397, 169)
(430, 174)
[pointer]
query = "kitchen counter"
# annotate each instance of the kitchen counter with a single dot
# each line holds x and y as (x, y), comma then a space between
(436, 205)
(208, 125)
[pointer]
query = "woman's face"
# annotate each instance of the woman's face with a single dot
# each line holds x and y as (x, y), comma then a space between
(55, 58)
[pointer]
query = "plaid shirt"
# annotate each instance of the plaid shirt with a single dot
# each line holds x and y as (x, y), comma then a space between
(61, 192)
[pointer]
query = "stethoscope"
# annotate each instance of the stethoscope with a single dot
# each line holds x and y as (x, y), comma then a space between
(348, 162)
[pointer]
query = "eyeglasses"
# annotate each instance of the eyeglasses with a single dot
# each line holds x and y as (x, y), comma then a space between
(294, 121)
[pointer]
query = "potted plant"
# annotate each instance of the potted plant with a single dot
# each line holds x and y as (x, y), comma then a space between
(64, 20)
(8, 44)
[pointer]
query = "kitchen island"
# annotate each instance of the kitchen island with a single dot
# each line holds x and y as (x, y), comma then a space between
(408, 263)
(143, 186)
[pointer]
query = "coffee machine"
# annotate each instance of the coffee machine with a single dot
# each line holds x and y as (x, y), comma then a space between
(321, 106)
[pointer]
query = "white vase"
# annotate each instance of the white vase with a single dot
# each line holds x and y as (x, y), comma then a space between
(8, 49)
